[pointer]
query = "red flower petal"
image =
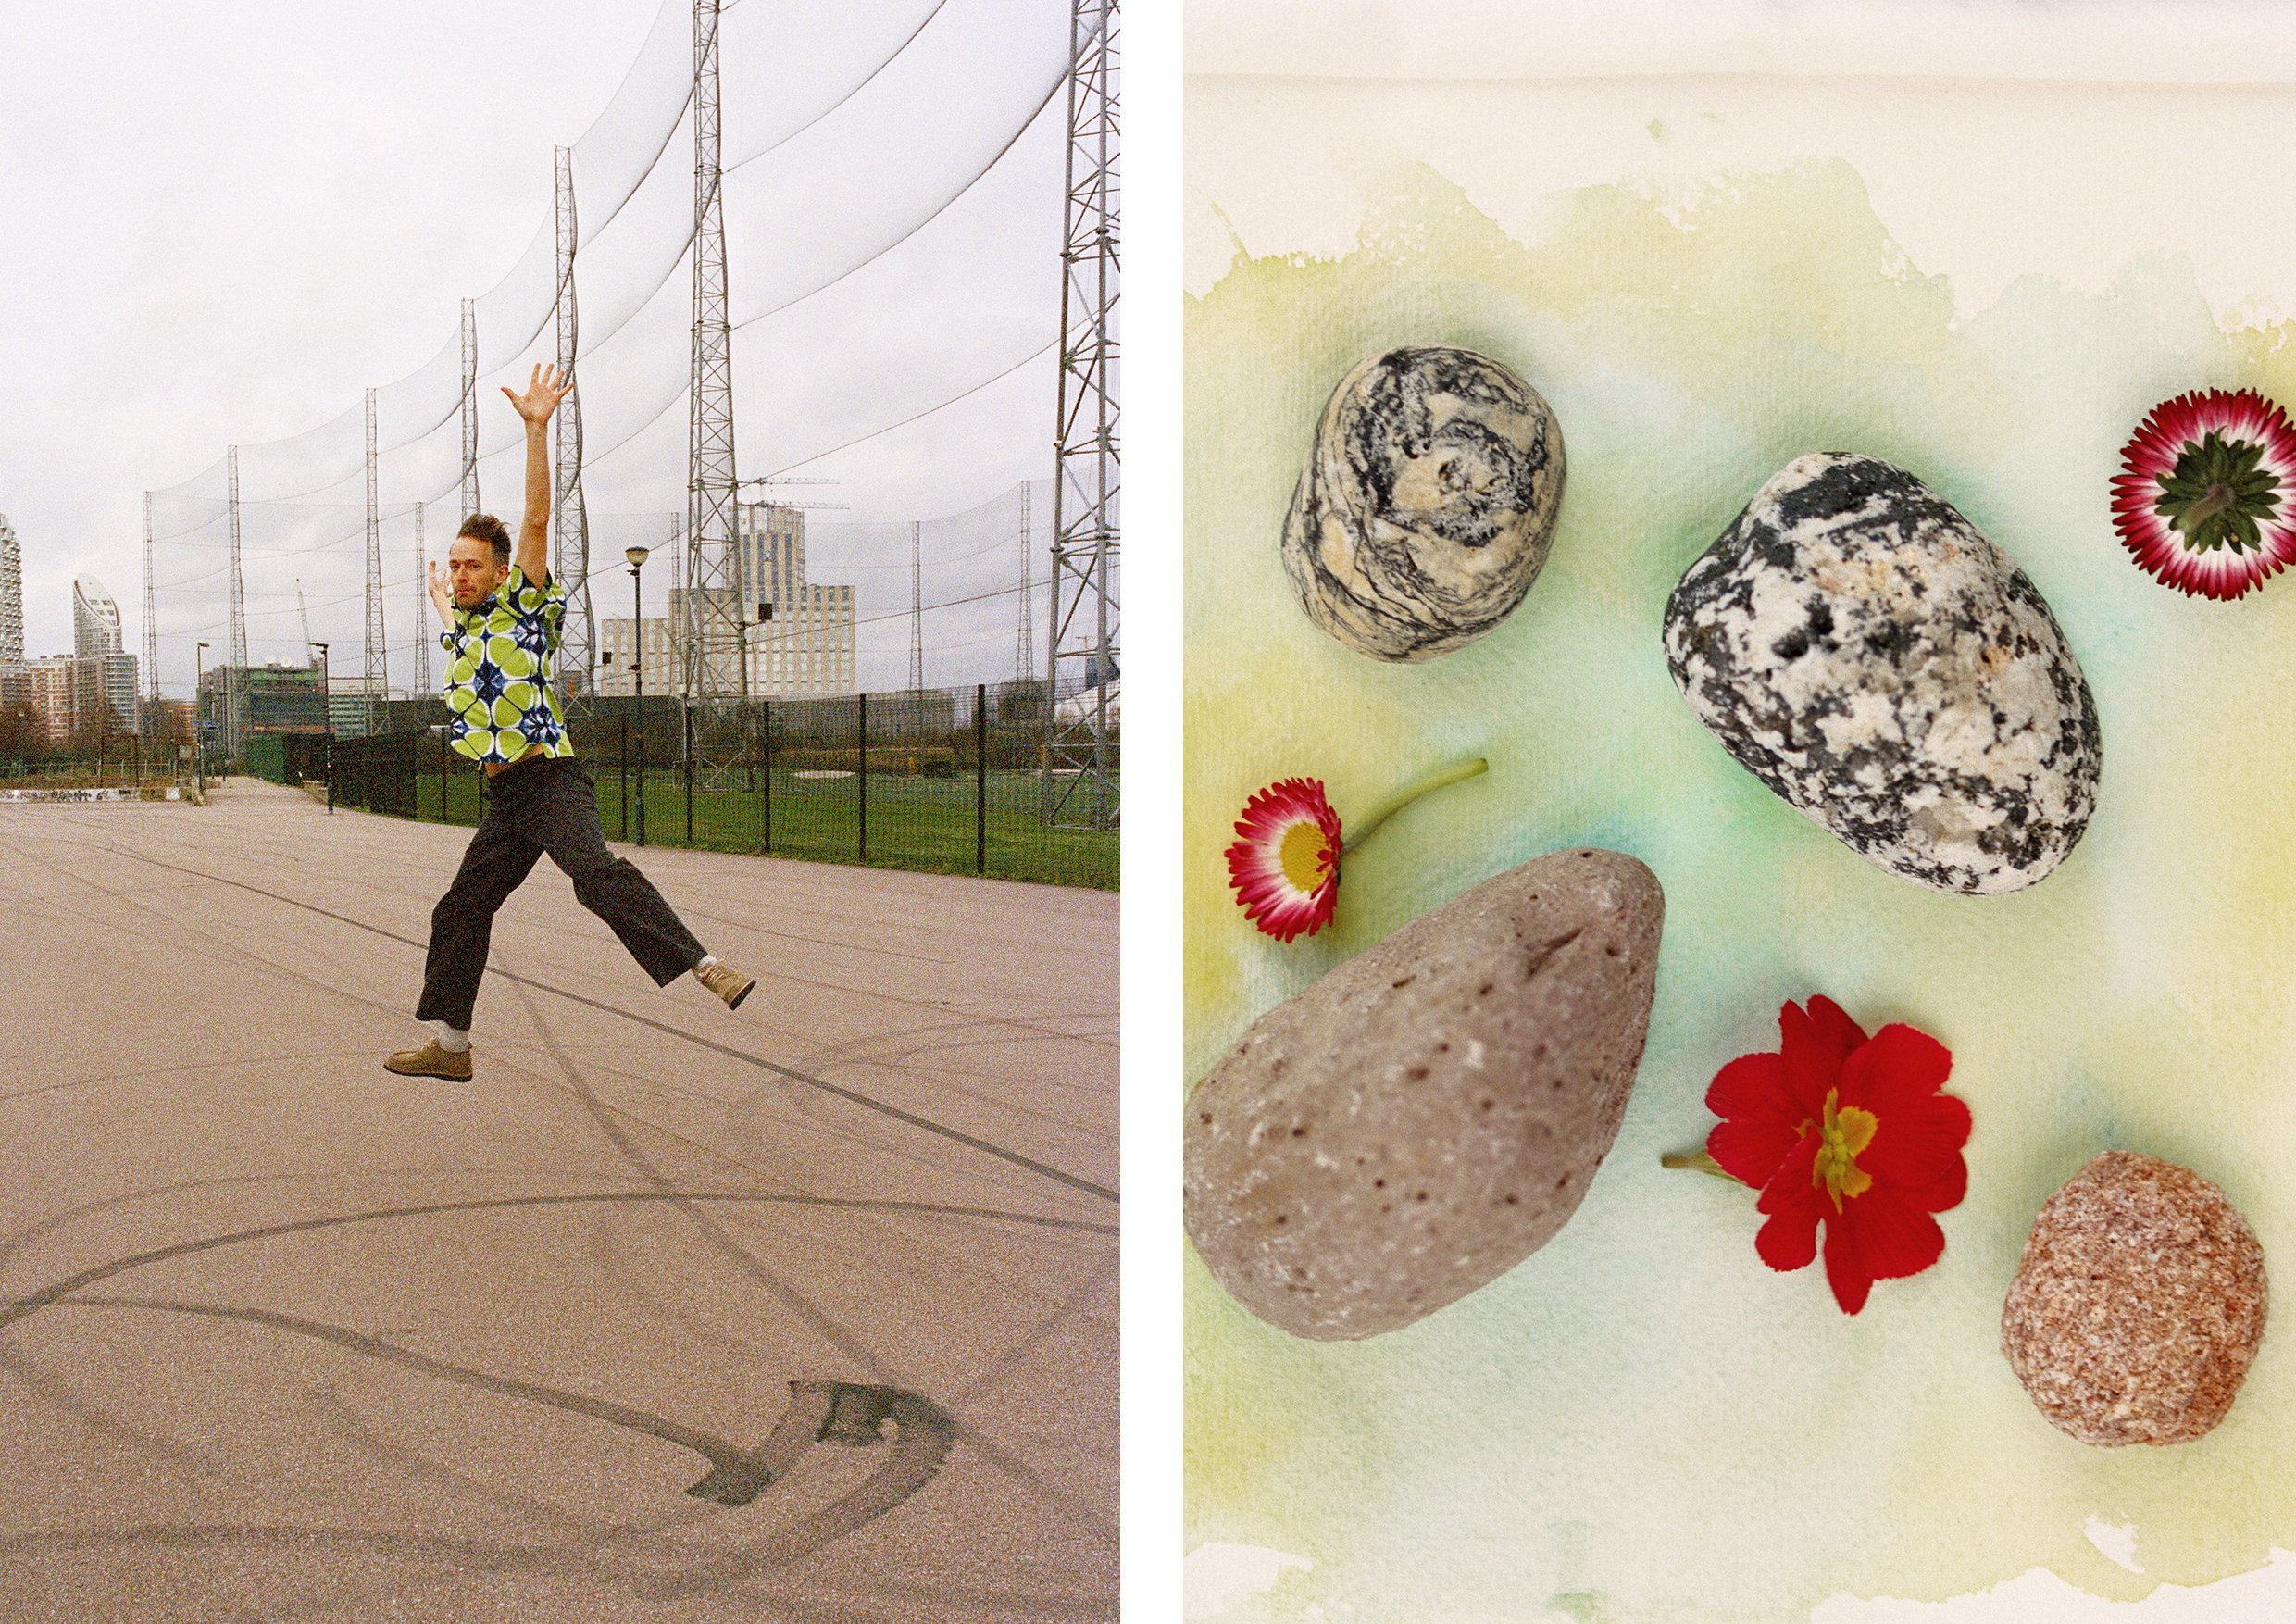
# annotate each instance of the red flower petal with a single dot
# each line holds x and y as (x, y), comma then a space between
(1943, 1193)
(1789, 1241)
(1792, 1187)
(1760, 1119)
(1899, 1068)
(1890, 1236)
(1813, 1047)
(1913, 1150)
(1918, 1132)
(1851, 1284)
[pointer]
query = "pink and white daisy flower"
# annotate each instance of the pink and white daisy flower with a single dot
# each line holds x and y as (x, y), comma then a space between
(1285, 868)
(2207, 500)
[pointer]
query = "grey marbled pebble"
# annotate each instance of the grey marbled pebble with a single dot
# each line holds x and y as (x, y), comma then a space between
(1860, 648)
(1428, 1113)
(1426, 504)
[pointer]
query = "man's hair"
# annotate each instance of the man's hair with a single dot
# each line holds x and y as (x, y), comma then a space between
(485, 527)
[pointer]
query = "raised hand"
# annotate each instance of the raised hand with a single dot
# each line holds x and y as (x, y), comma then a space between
(441, 598)
(543, 391)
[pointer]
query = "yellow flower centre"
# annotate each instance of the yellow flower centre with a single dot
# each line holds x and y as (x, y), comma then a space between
(1305, 855)
(1842, 1137)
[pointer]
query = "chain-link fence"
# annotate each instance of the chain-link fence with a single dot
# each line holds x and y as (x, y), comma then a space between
(953, 781)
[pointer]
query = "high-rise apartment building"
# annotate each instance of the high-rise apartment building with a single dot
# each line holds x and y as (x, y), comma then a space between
(95, 636)
(95, 619)
(66, 692)
(11, 596)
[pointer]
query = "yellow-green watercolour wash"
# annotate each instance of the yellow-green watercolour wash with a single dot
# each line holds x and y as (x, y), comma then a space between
(1643, 1422)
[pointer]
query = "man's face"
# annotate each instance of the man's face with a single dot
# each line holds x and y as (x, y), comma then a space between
(471, 568)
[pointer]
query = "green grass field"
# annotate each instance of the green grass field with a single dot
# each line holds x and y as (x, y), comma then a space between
(913, 822)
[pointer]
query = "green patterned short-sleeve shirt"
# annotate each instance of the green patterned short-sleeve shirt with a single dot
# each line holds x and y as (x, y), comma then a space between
(501, 657)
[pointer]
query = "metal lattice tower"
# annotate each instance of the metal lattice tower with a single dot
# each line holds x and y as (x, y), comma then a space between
(419, 679)
(471, 503)
(578, 649)
(238, 639)
(715, 663)
(1080, 752)
(378, 661)
(151, 631)
(1024, 660)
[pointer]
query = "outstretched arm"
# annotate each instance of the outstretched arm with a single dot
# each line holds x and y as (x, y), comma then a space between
(543, 391)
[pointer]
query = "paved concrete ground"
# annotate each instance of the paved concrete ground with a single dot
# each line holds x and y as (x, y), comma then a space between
(285, 1337)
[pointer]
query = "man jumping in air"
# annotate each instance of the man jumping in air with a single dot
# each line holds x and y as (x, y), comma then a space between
(502, 621)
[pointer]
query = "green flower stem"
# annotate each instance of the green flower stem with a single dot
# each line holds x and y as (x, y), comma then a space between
(1699, 1162)
(1397, 801)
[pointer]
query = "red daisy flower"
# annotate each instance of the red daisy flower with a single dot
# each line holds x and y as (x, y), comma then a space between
(1839, 1130)
(1286, 868)
(2207, 500)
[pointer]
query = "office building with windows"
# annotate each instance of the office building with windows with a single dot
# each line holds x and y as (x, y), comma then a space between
(800, 636)
(803, 640)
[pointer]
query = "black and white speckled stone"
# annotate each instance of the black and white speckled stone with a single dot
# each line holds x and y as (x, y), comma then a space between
(1862, 650)
(1426, 504)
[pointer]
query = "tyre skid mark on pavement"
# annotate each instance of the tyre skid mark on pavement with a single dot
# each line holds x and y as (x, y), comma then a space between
(923, 1433)
(837, 1335)
(926, 1124)
(821, 1410)
(843, 988)
(32, 1301)
(830, 1329)
(850, 1414)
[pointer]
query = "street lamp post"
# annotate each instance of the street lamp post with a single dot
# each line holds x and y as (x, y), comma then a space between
(199, 734)
(326, 716)
(637, 556)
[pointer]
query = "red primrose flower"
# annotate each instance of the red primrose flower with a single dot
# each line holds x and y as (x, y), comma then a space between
(1849, 1133)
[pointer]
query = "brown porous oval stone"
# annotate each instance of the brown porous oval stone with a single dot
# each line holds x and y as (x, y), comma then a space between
(2138, 1304)
(1431, 1113)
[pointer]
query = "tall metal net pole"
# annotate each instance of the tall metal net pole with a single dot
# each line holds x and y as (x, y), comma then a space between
(917, 607)
(1079, 754)
(419, 679)
(717, 673)
(471, 503)
(148, 720)
(578, 650)
(237, 664)
(377, 657)
(1023, 658)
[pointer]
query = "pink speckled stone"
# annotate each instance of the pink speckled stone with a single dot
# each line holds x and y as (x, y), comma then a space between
(2138, 1304)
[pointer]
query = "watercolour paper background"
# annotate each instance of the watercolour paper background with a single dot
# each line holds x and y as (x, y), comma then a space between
(1988, 280)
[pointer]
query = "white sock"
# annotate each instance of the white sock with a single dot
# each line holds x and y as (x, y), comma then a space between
(453, 1042)
(707, 959)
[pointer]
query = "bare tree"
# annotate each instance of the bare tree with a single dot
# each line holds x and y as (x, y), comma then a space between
(169, 735)
(23, 734)
(100, 735)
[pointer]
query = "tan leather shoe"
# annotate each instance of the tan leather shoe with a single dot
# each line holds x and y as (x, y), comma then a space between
(726, 981)
(430, 1061)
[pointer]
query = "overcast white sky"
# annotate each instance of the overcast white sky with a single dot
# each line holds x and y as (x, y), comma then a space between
(225, 223)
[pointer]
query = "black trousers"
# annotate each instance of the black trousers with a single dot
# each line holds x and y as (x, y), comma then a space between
(543, 805)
